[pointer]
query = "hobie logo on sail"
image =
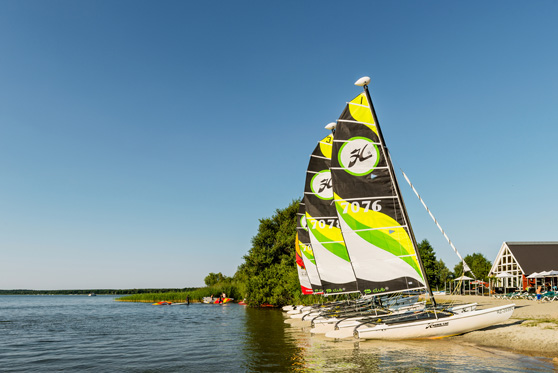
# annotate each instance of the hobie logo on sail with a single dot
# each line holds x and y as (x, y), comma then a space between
(303, 223)
(358, 156)
(321, 185)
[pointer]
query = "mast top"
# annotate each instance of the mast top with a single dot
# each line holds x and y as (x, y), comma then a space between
(331, 126)
(365, 80)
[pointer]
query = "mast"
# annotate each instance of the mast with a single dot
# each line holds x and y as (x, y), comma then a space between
(364, 83)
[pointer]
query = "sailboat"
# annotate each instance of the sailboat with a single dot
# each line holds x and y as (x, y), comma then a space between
(304, 251)
(332, 260)
(378, 235)
(305, 285)
(319, 224)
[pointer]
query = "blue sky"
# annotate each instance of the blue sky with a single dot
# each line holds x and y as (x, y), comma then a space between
(141, 141)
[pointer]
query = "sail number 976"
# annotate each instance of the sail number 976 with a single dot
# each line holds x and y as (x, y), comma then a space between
(355, 206)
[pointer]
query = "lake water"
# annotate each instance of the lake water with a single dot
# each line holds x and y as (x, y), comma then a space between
(97, 334)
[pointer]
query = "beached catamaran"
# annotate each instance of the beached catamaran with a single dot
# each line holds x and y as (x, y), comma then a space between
(332, 260)
(378, 237)
(304, 250)
(305, 285)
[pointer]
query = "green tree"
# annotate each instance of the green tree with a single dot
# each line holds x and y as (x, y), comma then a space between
(429, 263)
(443, 273)
(216, 278)
(478, 264)
(268, 274)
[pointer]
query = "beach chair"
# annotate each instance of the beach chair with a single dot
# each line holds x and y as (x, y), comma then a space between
(511, 295)
(549, 296)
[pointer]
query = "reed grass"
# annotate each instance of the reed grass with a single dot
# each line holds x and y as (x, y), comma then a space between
(179, 297)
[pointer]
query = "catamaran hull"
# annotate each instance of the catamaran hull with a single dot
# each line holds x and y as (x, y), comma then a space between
(345, 328)
(444, 327)
(326, 325)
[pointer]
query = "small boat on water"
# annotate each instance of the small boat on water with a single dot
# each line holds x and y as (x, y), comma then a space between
(92, 295)
(213, 300)
(162, 303)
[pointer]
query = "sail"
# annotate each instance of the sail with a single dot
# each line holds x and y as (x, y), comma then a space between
(305, 285)
(305, 251)
(332, 259)
(371, 212)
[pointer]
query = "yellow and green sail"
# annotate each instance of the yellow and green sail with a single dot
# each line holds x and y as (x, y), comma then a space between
(332, 259)
(371, 216)
(305, 285)
(305, 253)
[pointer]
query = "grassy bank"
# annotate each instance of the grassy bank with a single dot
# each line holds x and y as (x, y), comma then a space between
(180, 296)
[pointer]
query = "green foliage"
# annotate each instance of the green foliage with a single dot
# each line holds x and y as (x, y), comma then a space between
(215, 278)
(443, 272)
(229, 288)
(429, 263)
(436, 271)
(268, 273)
(478, 264)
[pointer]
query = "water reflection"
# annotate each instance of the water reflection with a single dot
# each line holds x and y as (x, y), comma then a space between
(318, 354)
(267, 347)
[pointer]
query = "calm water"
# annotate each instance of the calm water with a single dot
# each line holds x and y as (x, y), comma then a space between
(97, 334)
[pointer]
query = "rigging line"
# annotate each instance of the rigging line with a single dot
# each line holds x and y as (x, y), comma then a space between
(465, 266)
(343, 168)
(355, 122)
(348, 140)
(378, 228)
(317, 156)
(355, 104)
(364, 198)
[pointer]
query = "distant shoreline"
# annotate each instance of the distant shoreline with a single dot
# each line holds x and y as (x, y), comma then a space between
(96, 291)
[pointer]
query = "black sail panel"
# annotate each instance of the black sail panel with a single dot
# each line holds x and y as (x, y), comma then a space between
(369, 208)
(332, 260)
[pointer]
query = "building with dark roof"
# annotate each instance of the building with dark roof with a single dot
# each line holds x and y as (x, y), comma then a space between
(517, 260)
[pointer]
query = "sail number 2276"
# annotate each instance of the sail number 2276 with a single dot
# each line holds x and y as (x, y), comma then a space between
(355, 206)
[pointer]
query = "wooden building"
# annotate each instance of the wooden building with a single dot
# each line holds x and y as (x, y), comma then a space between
(517, 260)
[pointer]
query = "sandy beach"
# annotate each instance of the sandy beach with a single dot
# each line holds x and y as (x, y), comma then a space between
(532, 329)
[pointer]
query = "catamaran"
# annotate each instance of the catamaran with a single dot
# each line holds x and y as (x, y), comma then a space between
(378, 238)
(326, 251)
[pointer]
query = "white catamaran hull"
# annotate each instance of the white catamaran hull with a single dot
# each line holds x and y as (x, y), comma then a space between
(443, 327)
(325, 325)
(345, 329)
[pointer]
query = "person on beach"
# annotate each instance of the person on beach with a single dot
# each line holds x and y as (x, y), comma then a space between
(539, 295)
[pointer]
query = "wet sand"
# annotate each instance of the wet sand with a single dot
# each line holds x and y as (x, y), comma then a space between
(532, 329)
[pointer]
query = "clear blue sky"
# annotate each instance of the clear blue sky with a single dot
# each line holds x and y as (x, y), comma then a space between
(141, 141)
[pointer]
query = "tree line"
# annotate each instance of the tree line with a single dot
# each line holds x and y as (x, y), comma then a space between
(268, 274)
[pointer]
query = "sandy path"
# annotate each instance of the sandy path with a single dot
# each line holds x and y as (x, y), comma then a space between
(532, 329)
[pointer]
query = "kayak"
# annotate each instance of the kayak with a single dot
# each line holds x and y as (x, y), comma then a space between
(225, 300)
(162, 303)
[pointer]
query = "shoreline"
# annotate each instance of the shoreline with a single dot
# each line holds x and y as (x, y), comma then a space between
(531, 330)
